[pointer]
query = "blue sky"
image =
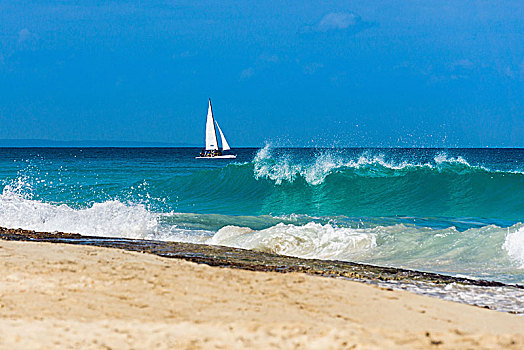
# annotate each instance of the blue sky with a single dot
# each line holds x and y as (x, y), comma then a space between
(339, 73)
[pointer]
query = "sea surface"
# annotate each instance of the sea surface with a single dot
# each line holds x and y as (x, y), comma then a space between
(453, 211)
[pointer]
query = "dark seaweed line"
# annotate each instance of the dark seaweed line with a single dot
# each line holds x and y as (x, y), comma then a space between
(247, 259)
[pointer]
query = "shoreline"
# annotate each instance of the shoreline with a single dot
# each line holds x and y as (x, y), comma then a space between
(77, 296)
(224, 256)
(477, 292)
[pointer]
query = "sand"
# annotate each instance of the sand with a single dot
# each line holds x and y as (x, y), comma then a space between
(55, 296)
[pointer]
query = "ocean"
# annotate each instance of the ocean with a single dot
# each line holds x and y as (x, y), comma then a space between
(458, 212)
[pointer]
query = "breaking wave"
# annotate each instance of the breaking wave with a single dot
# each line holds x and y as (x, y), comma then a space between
(285, 168)
(312, 240)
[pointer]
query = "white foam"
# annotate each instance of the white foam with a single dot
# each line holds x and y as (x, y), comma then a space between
(443, 158)
(111, 218)
(514, 244)
(312, 240)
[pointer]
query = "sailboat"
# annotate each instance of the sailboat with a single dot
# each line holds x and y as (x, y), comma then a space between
(212, 150)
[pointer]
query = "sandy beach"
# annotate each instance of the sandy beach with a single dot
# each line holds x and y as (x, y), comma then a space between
(64, 296)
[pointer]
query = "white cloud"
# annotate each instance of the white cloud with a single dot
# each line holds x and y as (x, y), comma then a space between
(263, 62)
(185, 54)
(27, 39)
(25, 35)
(509, 72)
(269, 58)
(311, 68)
(247, 73)
(337, 20)
(464, 63)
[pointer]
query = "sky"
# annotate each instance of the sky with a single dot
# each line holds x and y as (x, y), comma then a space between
(430, 73)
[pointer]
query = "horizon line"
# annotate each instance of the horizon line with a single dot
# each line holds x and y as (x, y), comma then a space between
(48, 143)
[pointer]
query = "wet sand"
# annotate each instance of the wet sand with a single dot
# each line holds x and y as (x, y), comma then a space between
(69, 296)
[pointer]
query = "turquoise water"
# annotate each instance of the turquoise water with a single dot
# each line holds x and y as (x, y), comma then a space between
(455, 211)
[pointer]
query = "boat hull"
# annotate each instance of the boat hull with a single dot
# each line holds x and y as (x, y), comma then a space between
(227, 156)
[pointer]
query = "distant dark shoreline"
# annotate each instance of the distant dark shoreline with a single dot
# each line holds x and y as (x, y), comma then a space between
(40, 143)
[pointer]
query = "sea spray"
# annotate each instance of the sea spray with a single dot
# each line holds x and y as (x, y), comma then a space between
(514, 245)
(110, 218)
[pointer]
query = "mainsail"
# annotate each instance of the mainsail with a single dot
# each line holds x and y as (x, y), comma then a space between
(225, 145)
(211, 134)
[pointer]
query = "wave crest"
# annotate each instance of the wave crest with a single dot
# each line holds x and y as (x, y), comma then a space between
(287, 168)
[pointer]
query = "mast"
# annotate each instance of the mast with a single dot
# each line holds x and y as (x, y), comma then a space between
(211, 134)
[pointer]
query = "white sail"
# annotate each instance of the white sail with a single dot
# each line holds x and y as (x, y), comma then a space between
(211, 134)
(225, 145)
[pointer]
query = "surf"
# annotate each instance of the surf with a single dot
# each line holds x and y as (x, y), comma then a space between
(488, 251)
(449, 211)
